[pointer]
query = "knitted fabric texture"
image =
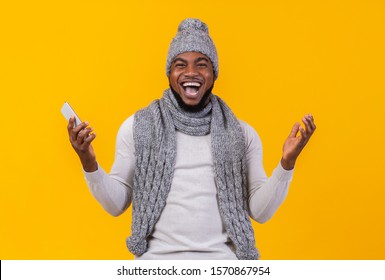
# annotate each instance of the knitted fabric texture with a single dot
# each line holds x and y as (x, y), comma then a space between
(193, 36)
(155, 150)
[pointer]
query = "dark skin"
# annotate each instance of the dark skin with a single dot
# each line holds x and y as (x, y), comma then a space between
(296, 141)
(81, 137)
(196, 68)
(191, 67)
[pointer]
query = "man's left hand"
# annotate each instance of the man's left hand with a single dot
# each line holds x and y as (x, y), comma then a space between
(295, 143)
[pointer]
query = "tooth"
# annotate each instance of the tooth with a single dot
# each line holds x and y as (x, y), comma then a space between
(186, 84)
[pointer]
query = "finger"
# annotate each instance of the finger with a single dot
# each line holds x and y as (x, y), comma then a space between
(294, 130)
(309, 123)
(303, 135)
(90, 138)
(75, 131)
(70, 125)
(87, 142)
(306, 122)
(83, 134)
(312, 122)
(80, 127)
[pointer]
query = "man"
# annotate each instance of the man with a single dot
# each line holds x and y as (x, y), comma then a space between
(191, 169)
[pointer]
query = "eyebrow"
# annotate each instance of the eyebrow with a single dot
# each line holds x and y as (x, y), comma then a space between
(200, 59)
(179, 59)
(195, 61)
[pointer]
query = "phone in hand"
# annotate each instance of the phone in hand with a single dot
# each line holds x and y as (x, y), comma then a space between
(67, 111)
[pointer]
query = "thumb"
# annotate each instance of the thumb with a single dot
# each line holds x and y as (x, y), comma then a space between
(295, 129)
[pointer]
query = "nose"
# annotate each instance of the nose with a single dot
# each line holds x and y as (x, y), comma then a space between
(191, 71)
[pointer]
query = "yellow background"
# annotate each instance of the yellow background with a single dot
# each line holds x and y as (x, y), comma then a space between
(278, 61)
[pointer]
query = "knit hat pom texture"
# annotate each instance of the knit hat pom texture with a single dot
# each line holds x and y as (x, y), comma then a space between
(192, 23)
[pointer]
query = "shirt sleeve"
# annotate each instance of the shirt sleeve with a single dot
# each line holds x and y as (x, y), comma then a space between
(265, 195)
(114, 190)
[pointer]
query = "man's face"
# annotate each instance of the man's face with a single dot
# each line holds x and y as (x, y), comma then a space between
(191, 75)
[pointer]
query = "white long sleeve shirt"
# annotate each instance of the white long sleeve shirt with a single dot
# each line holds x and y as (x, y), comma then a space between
(190, 226)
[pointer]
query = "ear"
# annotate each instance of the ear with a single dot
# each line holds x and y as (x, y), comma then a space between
(215, 75)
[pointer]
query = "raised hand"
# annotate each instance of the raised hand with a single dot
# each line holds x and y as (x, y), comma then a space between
(296, 142)
(81, 137)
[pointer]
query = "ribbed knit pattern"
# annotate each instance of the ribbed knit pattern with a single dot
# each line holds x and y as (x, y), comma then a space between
(155, 150)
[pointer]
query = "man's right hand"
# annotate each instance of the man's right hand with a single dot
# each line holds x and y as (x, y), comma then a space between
(81, 137)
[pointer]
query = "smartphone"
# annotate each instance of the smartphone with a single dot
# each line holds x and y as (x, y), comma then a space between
(67, 111)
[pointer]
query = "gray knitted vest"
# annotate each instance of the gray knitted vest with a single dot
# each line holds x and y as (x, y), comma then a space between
(155, 151)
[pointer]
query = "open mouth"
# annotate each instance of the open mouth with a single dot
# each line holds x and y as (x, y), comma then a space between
(191, 88)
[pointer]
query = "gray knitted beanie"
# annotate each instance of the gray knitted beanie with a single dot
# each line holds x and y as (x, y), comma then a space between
(193, 36)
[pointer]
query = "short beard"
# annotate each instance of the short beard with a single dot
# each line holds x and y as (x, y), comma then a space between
(192, 108)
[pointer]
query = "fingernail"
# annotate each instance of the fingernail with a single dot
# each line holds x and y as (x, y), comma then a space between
(86, 123)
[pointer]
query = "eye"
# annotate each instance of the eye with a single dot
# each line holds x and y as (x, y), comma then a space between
(179, 65)
(202, 65)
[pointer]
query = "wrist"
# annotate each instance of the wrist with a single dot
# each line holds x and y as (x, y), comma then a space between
(287, 164)
(91, 166)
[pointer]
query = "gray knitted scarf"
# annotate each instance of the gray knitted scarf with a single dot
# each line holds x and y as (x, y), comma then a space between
(155, 150)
